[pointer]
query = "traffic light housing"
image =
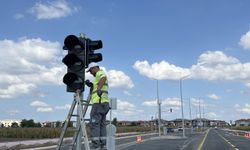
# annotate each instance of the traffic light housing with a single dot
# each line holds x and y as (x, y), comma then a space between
(80, 55)
(91, 47)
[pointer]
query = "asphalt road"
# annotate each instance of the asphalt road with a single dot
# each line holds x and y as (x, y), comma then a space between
(212, 139)
(173, 141)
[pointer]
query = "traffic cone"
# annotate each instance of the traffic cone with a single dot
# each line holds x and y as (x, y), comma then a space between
(247, 135)
(138, 139)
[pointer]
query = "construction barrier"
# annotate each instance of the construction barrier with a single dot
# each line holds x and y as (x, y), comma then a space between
(138, 139)
(247, 135)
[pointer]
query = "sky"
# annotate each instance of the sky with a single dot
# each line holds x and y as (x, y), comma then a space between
(203, 44)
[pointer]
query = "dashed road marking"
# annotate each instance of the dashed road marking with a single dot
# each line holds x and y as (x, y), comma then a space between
(228, 142)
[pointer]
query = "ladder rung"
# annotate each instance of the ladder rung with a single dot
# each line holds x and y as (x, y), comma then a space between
(69, 144)
(74, 115)
(72, 129)
(84, 101)
(86, 104)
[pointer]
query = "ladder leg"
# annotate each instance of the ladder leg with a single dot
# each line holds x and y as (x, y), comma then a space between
(85, 108)
(66, 124)
(82, 122)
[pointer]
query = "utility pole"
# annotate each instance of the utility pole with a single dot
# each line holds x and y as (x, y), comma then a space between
(190, 114)
(200, 110)
(182, 113)
(159, 109)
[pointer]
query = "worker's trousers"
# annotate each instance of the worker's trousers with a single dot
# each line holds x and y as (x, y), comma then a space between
(98, 124)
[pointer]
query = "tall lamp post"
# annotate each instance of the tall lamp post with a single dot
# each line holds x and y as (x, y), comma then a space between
(159, 109)
(183, 126)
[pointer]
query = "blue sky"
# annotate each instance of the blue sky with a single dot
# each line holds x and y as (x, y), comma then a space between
(143, 41)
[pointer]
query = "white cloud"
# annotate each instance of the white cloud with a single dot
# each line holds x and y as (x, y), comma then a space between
(27, 63)
(118, 79)
(213, 58)
(127, 108)
(44, 109)
(127, 93)
(211, 65)
(150, 103)
(19, 16)
(197, 102)
(160, 71)
(248, 84)
(172, 102)
(211, 115)
(218, 66)
(16, 89)
(214, 96)
(244, 110)
(243, 91)
(64, 107)
(52, 10)
(13, 112)
(39, 104)
(236, 106)
(245, 41)
(169, 102)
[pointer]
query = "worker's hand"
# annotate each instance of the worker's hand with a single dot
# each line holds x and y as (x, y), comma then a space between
(99, 93)
(88, 83)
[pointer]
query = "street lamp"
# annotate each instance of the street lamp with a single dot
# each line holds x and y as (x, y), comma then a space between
(159, 109)
(183, 126)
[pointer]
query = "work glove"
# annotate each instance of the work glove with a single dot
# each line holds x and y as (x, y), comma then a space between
(88, 83)
(99, 93)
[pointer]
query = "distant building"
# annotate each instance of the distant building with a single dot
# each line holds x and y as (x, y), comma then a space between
(178, 122)
(242, 122)
(52, 124)
(124, 123)
(8, 123)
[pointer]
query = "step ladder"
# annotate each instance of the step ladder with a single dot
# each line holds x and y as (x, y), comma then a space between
(82, 107)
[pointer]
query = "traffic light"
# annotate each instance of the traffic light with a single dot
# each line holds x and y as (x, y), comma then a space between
(75, 61)
(80, 55)
(91, 47)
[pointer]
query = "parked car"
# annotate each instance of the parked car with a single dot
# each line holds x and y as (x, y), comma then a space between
(180, 129)
(169, 130)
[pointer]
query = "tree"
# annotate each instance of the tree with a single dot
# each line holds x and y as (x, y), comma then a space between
(114, 121)
(38, 124)
(14, 125)
(28, 123)
(58, 124)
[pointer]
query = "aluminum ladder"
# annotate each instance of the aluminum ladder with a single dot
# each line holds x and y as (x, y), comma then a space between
(82, 107)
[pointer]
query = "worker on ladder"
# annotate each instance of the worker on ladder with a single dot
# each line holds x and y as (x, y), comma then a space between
(100, 107)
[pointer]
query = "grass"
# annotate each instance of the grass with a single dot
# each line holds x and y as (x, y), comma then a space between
(246, 128)
(12, 134)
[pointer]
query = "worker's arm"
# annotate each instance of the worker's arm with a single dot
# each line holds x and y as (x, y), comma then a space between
(100, 85)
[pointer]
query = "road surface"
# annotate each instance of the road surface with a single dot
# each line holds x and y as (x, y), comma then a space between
(211, 139)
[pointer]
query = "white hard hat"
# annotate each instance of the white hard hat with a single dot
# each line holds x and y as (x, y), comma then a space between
(91, 65)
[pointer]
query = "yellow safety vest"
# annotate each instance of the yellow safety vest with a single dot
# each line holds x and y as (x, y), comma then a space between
(104, 97)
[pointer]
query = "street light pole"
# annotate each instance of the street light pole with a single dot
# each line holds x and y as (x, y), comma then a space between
(183, 126)
(190, 114)
(159, 109)
(182, 113)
